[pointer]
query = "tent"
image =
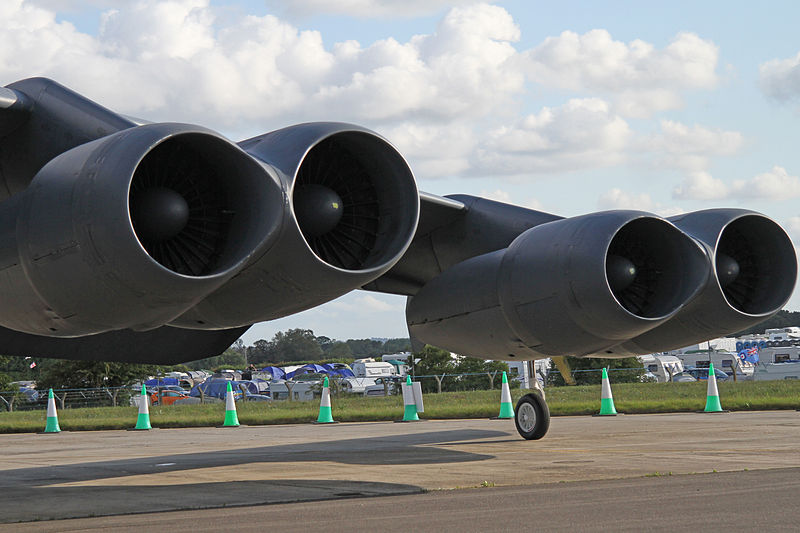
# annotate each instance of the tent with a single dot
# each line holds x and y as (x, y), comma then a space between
(217, 387)
(160, 382)
(307, 369)
(277, 372)
(339, 369)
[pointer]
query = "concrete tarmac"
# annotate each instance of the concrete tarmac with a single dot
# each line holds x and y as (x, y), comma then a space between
(97, 474)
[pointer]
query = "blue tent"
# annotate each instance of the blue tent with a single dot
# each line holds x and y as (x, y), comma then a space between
(160, 382)
(341, 372)
(277, 372)
(339, 369)
(307, 369)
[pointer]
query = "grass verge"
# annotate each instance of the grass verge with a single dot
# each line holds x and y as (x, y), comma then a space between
(582, 400)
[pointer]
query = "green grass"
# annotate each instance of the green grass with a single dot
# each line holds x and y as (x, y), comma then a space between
(581, 400)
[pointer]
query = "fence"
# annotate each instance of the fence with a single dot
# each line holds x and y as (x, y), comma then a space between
(30, 399)
(114, 396)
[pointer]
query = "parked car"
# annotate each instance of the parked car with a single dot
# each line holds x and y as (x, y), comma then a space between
(378, 388)
(681, 377)
(167, 397)
(257, 398)
(701, 374)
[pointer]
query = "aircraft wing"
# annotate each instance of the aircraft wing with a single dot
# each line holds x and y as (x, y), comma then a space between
(117, 235)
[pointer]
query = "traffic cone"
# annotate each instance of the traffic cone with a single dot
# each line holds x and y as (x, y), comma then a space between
(606, 399)
(143, 421)
(506, 409)
(52, 416)
(409, 403)
(712, 399)
(325, 415)
(231, 420)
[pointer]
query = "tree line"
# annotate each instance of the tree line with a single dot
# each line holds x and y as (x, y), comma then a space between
(300, 345)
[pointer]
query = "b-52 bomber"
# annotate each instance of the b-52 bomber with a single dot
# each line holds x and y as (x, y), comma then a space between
(163, 242)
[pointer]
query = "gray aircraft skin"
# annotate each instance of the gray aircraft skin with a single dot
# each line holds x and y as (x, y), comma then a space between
(164, 242)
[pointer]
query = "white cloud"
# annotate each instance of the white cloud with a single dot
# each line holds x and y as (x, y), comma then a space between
(175, 60)
(793, 225)
(701, 186)
(780, 78)
(776, 184)
(619, 199)
(583, 133)
(644, 78)
(440, 98)
(364, 8)
(689, 148)
(364, 304)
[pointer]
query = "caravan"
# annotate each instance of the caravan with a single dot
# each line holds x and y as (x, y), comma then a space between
(663, 367)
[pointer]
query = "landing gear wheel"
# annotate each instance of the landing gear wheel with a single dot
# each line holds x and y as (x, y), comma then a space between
(532, 417)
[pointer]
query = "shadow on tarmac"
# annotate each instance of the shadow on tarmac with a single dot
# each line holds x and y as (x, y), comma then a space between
(29, 494)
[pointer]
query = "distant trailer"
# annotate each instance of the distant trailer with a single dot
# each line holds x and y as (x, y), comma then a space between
(663, 367)
(777, 371)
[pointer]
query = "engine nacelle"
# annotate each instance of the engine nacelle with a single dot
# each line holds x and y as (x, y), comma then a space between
(575, 286)
(755, 268)
(130, 230)
(352, 211)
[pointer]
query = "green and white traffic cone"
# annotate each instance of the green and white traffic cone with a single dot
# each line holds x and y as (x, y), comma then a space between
(143, 421)
(506, 409)
(231, 419)
(325, 414)
(712, 399)
(606, 399)
(409, 403)
(52, 416)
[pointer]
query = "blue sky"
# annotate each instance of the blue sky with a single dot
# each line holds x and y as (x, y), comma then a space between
(567, 107)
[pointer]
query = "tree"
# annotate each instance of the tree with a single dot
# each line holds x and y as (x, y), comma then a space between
(8, 392)
(632, 373)
(66, 374)
(365, 347)
(433, 362)
(396, 346)
(483, 373)
(295, 345)
(782, 319)
(339, 349)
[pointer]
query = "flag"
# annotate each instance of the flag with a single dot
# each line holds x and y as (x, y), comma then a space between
(749, 355)
(33, 364)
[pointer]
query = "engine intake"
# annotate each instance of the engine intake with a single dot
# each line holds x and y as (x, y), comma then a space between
(130, 230)
(354, 208)
(754, 276)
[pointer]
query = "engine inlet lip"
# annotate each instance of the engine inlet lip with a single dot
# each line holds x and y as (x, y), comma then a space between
(688, 259)
(399, 240)
(776, 245)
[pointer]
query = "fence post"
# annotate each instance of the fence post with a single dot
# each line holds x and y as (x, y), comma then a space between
(439, 382)
(289, 388)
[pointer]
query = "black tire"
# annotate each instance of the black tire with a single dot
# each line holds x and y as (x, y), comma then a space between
(532, 417)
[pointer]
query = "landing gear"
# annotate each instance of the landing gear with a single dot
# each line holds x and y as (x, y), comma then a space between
(532, 417)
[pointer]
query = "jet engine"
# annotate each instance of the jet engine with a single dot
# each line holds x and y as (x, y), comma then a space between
(131, 230)
(755, 267)
(352, 213)
(575, 286)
